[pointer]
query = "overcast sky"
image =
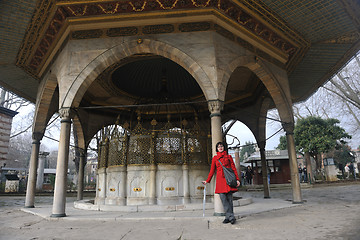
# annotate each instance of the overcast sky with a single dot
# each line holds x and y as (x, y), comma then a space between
(243, 133)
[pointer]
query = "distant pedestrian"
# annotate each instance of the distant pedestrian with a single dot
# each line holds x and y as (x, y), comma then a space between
(242, 178)
(249, 175)
(341, 168)
(351, 170)
(347, 170)
(300, 170)
(305, 176)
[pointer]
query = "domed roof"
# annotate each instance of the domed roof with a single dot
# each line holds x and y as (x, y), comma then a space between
(157, 78)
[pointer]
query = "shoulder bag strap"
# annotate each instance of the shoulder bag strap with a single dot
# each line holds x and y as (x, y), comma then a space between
(220, 163)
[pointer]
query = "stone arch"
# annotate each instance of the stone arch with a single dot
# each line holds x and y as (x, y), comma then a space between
(46, 104)
(78, 127)
(256, 120)
(79, 86)
(280, 93)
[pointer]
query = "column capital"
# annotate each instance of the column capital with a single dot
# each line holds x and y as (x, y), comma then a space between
(289, 128)
(66, 113)
(37, 136)
(215, 107)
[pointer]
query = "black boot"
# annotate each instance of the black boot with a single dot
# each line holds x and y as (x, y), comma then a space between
(226, 221)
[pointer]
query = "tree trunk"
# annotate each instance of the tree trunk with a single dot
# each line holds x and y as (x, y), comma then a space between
(310, 174)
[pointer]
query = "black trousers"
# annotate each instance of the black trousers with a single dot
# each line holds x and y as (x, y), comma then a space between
(227, 201)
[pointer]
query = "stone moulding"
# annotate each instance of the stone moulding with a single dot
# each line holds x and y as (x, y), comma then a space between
(50, 21)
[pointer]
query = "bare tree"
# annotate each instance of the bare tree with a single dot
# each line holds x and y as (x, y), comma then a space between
(318, 105)
(21, 135)
(338, 98)
(11, 101)
(19, 151)
(345, 89)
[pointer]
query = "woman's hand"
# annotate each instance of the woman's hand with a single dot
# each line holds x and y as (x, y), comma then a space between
(204, 182)
(238, 183)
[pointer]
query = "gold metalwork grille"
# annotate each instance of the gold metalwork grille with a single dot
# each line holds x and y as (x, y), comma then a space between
(118, 147)
(168, 149)
(103, 156)
(168, 145)
(163, 144)
(196, 146)
(197, 150)
(139, 146)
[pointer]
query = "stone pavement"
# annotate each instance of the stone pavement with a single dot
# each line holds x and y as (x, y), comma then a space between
(258, 205)
(329, 212)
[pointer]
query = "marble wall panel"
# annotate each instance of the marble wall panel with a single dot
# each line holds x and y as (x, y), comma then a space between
(169, 181)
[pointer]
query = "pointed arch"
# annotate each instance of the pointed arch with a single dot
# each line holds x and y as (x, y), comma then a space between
(78, 127)
(46, 104)
(79, 86)
(276, 84)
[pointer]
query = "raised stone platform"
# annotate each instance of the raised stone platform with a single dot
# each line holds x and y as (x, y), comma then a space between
(89, 205)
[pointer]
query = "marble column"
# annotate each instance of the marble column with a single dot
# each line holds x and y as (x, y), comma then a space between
(82, 163)
(101, 180)
(186, 182)
(122, 186)
(185, 169)
(295, 181)
(152, 185)
(40, 172)
(264, 170)
(215, 107)
(31, 182)
(59, 202)
(152, 169)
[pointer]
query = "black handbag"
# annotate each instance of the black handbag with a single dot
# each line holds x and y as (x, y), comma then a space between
(229, 176)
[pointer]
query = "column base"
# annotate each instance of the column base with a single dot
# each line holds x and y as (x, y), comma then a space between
(58, 215)
(79, 196)
(219, 214)
(267, 197)
(30, 206)
(186, 200)
(297, 202)
(152, 201)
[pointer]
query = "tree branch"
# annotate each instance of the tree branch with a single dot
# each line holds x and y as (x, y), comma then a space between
(342, 97)
(16, 134)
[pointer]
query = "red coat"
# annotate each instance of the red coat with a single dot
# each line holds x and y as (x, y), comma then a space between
(227, 161)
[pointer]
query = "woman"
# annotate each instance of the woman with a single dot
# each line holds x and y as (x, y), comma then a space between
(224, 190)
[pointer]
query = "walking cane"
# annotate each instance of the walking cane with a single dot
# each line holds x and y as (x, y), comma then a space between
(204, 201)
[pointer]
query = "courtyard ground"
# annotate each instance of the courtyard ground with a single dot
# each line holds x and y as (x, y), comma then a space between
(329, 211)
